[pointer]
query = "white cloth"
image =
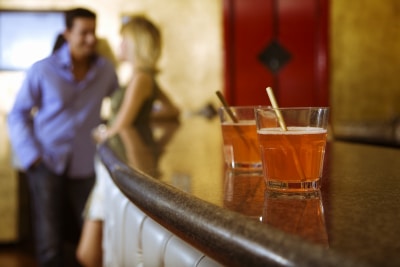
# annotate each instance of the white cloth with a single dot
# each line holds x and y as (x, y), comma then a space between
(94, 209)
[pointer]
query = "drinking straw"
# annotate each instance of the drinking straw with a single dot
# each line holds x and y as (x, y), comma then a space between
(284, 128)
(276, 108)
(228, 109)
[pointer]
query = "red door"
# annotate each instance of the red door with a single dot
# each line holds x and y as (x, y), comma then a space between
(277, 43)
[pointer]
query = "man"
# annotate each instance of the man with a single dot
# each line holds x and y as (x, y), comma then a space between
(50, 128)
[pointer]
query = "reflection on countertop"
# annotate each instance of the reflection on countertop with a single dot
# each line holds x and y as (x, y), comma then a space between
(300, 214)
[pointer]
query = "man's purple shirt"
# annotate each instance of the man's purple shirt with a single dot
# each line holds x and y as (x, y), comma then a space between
(65, 113)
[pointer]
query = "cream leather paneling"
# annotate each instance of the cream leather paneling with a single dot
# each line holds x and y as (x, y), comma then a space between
(132, 243)
(179, 254)
(131, 238)
(154, 239)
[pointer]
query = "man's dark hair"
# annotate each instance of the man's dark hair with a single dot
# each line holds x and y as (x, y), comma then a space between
(72, 14)
(60, 40)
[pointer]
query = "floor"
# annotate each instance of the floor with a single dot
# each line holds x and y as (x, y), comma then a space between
(16, 255)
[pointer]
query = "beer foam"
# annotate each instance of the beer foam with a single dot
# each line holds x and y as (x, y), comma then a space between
(292, 130)
(241, 122)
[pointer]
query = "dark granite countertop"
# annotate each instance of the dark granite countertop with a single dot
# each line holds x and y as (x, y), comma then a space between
(175, 174)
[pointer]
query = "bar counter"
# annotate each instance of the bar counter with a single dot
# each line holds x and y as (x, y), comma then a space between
(174, 173)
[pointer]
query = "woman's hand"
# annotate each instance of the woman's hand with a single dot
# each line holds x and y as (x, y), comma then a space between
(100, 133)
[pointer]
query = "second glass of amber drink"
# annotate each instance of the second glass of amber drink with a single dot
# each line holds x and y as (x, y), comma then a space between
(239, 132)
(292, 143)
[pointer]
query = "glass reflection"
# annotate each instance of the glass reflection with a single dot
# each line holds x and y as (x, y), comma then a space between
(244, 193)
(300, 214)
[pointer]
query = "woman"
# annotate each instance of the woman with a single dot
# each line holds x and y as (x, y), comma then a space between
(140, 102)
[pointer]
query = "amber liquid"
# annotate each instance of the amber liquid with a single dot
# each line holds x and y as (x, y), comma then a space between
(241, 148)
(292, 159)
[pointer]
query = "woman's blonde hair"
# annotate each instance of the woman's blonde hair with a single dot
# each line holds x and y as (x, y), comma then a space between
(143, 42)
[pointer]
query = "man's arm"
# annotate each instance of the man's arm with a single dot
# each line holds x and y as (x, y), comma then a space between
(20, 122)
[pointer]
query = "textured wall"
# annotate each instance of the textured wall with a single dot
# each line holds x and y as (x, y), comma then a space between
(365, 45)
(192, 59)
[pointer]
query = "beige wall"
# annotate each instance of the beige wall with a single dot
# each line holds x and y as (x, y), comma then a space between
(191, 64)
(365, 45)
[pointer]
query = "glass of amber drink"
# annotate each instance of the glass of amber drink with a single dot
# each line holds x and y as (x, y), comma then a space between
(293, 153)
(240, 143)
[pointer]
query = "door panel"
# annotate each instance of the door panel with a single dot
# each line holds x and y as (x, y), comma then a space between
(291, 37)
